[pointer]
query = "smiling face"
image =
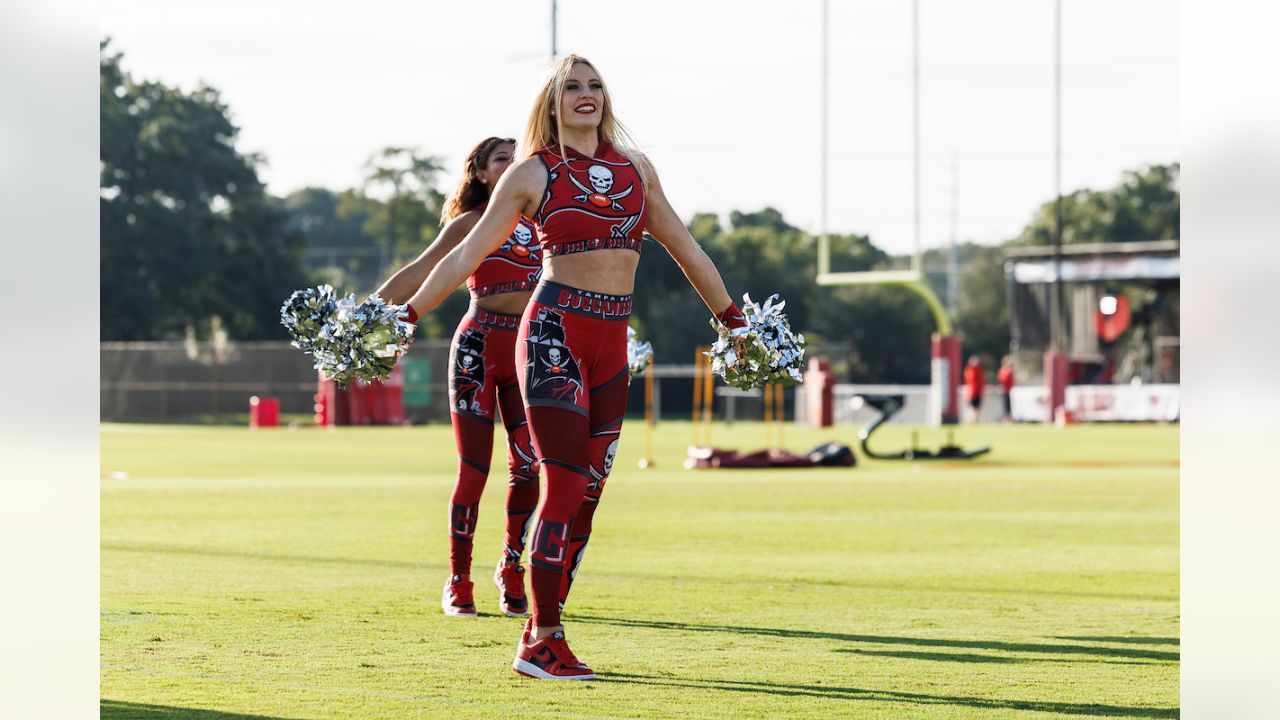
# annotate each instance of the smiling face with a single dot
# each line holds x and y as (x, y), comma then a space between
(573, 104)
(582, 99)
(497, 163)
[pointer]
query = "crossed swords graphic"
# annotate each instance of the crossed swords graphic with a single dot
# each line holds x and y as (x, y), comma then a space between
(588, 192)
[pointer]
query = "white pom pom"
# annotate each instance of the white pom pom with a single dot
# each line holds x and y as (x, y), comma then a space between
(350, 340)
(763, 351)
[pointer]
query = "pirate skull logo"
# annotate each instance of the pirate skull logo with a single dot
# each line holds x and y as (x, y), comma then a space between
(598, 476)
(553, 371)
(601, 180)
(466, 377)
(608, 457)
(521, 243)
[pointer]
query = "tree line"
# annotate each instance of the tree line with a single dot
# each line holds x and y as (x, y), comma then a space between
(192, 243)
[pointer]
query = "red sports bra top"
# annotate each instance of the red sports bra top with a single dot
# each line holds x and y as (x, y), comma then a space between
(515, 266)
(591, 203)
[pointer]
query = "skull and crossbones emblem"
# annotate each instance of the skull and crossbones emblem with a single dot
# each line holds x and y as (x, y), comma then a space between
(609, 454)
(467, 373)
(553, 371)
(521, 243)
(601, 179)
(598, 476)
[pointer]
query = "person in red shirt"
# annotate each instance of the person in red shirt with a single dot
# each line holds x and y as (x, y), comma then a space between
(482, 378)
(974, 383)
(1005, 377)
(591, 196)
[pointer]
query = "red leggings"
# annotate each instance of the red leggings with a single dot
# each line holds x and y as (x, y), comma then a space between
(573, 351)
(482, 382)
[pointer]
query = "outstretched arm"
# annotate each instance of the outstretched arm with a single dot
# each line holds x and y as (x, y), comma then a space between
(667, 228)
(409, 278)
(515, 192)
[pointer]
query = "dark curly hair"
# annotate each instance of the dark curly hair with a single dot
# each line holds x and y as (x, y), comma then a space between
(471, 193)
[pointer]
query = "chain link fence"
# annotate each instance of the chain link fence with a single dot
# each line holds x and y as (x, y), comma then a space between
(209, 382)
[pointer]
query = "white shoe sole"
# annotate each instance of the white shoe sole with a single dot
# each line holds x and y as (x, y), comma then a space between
(530, 670)
(451, 612)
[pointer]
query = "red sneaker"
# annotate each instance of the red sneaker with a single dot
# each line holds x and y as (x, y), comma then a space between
(457, 599)
(550, 659)
(510, 581)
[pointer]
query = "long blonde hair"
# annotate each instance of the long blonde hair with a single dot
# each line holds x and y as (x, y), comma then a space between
(470, 192)
(545, 129)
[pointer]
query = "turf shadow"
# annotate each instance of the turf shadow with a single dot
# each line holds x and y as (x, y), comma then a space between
(945, 657)
(1052, 648)
(1122, 639)
(892, 696)
(975, 658)
(220, 553)
(118, 710)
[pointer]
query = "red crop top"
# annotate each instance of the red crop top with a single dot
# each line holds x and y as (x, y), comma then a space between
(513, 267)
(591, 203)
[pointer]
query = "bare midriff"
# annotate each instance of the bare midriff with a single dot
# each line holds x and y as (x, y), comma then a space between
(511, 303)
(612, 272)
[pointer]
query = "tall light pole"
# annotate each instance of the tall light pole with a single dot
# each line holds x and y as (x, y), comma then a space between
(824, 242)
(553, 31)
(1055, 361)
(915, 133)
(953, 264)
(1055, 297)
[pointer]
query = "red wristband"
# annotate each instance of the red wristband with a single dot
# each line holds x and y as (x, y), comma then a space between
(731, 317)
(410, 315)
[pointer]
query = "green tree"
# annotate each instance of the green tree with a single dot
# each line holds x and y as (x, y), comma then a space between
(982, 314)
(876, 333)
(338, 250)
(872, 333)
(981, 317)
(313, 211)
(1144, 206)
(408, 219)
(189, 236)
(758, 254)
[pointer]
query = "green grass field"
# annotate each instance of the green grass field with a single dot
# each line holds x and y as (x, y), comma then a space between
(296, 574)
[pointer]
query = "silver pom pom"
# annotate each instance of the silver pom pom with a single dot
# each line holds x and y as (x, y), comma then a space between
(639, 353)
(305, 313)
(349, 340)
(762, 352)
